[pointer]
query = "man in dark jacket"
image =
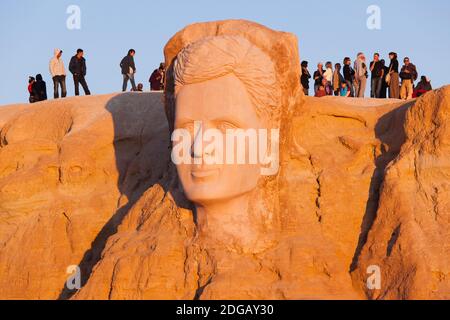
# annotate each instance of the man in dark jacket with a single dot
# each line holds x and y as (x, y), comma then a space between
(77, 67)
(408, 74)
(39, 89)
(304, 78)
(349, 75)
(128, 70)
(377, 70)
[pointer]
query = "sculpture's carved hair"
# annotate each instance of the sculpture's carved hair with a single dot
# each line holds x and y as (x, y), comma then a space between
(218, 56)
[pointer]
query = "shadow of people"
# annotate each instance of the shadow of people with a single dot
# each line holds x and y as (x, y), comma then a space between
(142, 155)
(390, 131)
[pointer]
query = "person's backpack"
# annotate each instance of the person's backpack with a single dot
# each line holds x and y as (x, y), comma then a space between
(414, 73)
(125, 65)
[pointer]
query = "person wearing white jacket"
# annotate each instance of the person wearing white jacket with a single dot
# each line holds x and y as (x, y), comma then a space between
(361, 75)
(328, 75)
(58, 73)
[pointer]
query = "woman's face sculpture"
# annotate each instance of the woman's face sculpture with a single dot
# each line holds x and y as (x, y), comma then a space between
(216, 106)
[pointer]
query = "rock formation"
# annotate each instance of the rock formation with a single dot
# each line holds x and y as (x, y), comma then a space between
(88, 181)
(410, 237)
(69, 171)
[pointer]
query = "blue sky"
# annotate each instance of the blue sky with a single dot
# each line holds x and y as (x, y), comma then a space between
(327, 30)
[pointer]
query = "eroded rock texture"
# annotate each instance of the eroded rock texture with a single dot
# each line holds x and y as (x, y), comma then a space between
(409, 239)
(69, 172)
(88, 181)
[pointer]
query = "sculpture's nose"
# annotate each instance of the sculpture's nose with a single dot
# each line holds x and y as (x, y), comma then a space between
(197, 147)
(201, 149)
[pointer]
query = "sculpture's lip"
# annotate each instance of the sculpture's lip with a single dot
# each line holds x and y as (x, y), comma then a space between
(204, 173)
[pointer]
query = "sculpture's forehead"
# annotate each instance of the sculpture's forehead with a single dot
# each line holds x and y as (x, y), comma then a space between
(218, 99)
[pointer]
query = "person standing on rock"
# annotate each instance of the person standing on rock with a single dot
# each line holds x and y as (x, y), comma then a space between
(77, 67)
(304, 79)
(58, 73)
(349, 75)
(361, 75)
(128, 70)
(377, 73)
(31, 82)
(408, 75)
(39, 90)
(328, 75)
(384, 83)
(318, 76)
(337, 79)
(393, 77)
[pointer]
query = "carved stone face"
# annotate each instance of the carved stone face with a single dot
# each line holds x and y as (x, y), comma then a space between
(222, 103)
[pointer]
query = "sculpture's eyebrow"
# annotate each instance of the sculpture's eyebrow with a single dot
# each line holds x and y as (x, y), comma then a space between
(231, 120)
(183, 121)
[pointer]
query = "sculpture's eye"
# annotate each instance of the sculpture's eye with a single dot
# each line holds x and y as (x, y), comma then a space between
(189, 126)
(226, 125)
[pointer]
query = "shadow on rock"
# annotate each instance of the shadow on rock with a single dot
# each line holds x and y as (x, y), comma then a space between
(390, 131)
(141, 146)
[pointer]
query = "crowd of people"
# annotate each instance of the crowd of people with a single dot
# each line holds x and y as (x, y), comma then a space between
(37, 87)
(345, 81)
(385, 81)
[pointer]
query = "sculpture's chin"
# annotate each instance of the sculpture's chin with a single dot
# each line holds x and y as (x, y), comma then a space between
(217, 199)
(220, 191)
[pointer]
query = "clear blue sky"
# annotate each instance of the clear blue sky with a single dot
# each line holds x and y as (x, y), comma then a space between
(327, 30)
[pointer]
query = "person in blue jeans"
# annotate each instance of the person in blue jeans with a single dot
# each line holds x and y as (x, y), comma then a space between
(78, 68)
(128, 70)
(377, 70)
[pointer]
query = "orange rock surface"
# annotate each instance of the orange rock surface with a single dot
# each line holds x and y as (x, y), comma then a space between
(88, 181)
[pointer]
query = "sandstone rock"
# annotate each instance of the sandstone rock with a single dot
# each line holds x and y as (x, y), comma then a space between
(69, 170)
(324, 225)
(329, 185)
(88, 181)
(409, 239)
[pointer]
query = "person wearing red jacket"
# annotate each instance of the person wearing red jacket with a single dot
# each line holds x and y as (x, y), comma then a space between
(31, 81)
(422, 87)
